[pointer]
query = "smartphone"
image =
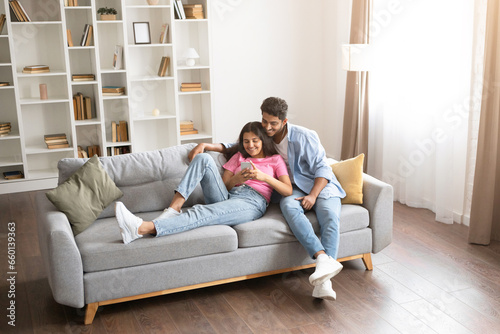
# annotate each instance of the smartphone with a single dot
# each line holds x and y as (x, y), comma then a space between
(246, 164)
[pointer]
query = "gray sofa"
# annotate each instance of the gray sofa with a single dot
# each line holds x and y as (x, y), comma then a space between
(95, 267)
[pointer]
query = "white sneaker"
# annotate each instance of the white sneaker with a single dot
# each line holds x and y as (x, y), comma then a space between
(324, 291)
(167, 213)
(128, 222)
(326, 268)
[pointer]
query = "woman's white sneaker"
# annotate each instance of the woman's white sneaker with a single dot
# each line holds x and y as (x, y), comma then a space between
(128, 222)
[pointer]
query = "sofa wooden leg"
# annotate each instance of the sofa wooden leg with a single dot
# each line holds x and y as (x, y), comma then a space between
(367, 260)
(90, 313)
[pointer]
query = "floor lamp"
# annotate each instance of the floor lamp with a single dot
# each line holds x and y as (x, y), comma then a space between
(357, 58)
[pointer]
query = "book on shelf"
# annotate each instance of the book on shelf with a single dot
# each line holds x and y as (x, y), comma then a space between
(194, 11)
(176, 10)
(57, 140)
(12, 175)
(18, 10)
(113, 90)
(163, 35)
(2, 22)
(118, 150)
(189, 132)
(187, 128)
(31, 69)
(119, 131)
(186, 125)
(181, 9)
(82, 153)
(118, 57)
(191, 86)
(87, 35)
(70, 38)
(94, 150)
(162, 70)
(82, 107)
(5, 129)
(83, 77)
(4, 84)
(70, 3)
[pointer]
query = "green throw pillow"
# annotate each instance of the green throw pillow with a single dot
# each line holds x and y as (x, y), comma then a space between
(85, 194)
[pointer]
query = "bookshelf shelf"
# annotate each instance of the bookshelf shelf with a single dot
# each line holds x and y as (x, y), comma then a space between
(146, 92)
(38, 101)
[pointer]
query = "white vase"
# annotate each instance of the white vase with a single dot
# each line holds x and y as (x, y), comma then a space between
(153, 2)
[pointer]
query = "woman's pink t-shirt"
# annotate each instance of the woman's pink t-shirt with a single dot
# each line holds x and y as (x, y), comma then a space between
(274, 166)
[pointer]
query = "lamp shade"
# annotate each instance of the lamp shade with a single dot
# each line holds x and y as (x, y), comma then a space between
(357, 57)
(191, 54)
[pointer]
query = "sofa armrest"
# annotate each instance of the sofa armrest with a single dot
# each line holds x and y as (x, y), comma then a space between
(60, 254)
(378, 200)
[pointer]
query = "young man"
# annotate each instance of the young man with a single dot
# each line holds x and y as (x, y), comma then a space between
(315, 187)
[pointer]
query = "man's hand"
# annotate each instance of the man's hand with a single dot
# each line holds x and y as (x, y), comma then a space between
(307, 202)
(200, 148)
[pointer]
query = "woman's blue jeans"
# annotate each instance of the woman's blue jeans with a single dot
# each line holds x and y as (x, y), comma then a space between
(239, 205)
(328, 214)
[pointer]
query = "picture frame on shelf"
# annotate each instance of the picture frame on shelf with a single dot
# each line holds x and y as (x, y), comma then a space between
(142, 34)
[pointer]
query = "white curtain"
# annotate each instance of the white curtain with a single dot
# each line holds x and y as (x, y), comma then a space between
(419, 102)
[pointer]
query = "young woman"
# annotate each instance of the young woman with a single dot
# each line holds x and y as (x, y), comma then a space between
(239, 196)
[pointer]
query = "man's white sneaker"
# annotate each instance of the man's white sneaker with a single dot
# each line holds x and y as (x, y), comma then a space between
(167, 213)
(128, 222)
(324, 291)
(326, 268)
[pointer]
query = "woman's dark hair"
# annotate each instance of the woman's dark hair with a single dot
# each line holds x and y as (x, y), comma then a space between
(255, 127)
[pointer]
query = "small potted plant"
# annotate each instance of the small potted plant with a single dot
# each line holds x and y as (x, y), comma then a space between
(107, 14)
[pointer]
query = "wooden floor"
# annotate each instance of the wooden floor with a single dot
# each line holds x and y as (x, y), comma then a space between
(429, 280)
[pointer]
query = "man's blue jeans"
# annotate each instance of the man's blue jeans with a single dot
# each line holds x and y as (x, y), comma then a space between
(239, 205)
(328, 214)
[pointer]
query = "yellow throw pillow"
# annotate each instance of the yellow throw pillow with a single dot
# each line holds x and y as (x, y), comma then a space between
(350, 175)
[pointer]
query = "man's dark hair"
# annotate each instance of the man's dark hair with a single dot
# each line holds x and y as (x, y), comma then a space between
(275, 106)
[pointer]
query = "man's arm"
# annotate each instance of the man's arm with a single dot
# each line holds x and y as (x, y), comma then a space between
(308, 201)
(202, 147)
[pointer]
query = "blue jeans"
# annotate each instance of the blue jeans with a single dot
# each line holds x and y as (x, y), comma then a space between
(239, 205)
(328, 214)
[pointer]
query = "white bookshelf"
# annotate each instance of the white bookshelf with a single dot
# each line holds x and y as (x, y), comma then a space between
(44, 40)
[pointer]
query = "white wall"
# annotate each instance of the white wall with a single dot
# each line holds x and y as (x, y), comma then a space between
(284, 48)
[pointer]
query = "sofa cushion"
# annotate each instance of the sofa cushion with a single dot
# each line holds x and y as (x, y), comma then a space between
(102, 248)
(349, 172)
(85, 194)
(273, 229)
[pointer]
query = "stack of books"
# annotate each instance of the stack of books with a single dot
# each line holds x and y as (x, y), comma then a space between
(194, 11)
(19, 12)
(4, 129)
(83, 77)
(91, 151)
(2, 22)
(119, 131)
(190, 86)
(32, 69)
(58, 140)
(12, 175)
(118, 150)
(113, 90)
(82, 107)
(187, 128)
(87, 35)
(162, 71)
